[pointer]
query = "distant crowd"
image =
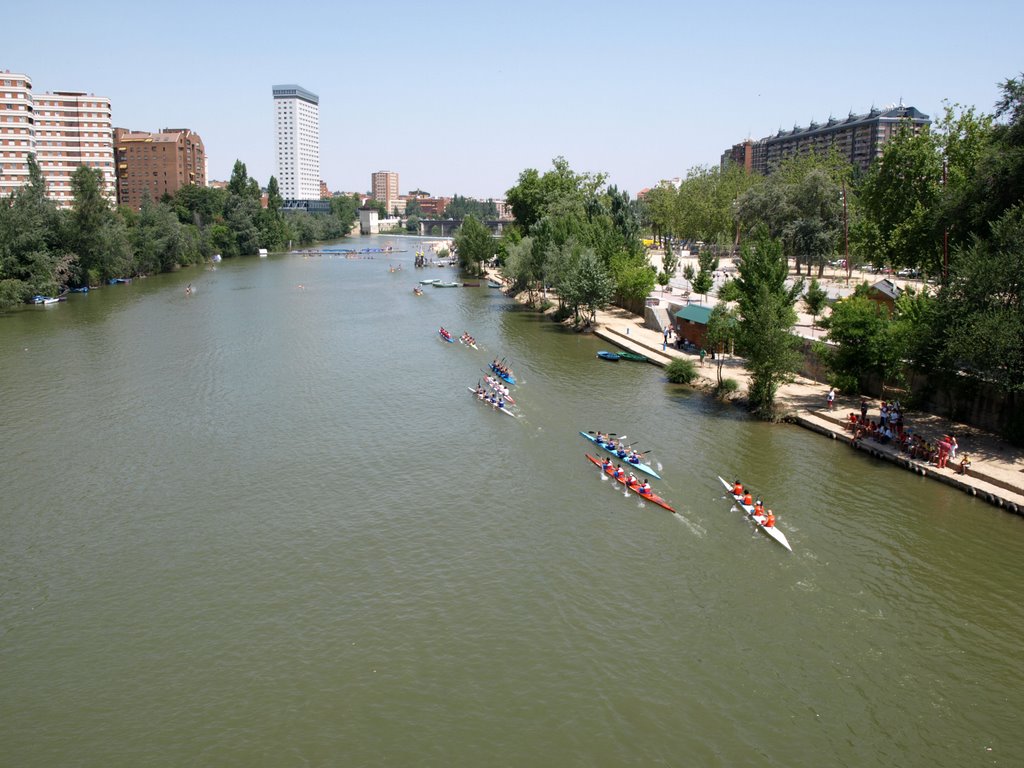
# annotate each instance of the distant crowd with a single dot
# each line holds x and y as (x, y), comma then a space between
(889, 429)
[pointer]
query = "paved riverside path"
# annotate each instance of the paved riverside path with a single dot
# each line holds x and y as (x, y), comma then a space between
(997, 468)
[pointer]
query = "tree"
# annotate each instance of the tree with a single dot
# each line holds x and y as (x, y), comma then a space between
(586, 286)
(767, 319)
(901, 195)
(474, 244)
(815, 299)
(723, 325)
(90, 214)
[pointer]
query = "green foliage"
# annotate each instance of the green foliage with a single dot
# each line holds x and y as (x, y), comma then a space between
(767, 319)
(584, 284)
(722, 329)
(461, 207)
(474, 244)
(729, 291)
(726, 387)
(681, 371)
(815, 298)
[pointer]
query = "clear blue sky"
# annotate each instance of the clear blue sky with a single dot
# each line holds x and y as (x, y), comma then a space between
(460, 97)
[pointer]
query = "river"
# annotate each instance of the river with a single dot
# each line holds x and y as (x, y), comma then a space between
(266, 525)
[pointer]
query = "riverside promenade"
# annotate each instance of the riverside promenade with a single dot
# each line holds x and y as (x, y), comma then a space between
(997, 468)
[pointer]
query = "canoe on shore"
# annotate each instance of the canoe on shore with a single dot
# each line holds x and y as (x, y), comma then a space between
(772, 531)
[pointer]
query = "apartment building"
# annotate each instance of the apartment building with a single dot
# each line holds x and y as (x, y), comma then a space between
(858, 138)
(297, 142)
(63, 129)
(156, 164)
(384, 185)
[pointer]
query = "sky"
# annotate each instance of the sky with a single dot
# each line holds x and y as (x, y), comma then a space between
(462, 97)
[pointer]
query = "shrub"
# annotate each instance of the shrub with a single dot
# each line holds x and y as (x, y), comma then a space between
(727, 387)
(681, 371)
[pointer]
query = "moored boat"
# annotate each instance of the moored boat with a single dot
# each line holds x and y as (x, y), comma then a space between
(626, 355)
(652, 497)
(492, 284)
(771, 530)
(441, 284)
(622, 455)
(430, 281)
(604, 355)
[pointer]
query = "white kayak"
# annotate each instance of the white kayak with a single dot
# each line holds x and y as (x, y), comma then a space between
(506, 411)
(772, 531)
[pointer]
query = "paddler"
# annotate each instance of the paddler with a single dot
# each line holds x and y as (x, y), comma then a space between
(759, 506)
(633, 482)
(748, 500)
(737, 488)
(645, 488)
(606, 465)
(619, 472)
(769, 520)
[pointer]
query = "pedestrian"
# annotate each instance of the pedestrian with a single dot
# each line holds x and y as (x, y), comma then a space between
(953, 447)
(831, 397)
(703, 354)
(863, 409)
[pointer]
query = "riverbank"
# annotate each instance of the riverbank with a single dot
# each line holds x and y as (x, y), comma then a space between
(996, 473)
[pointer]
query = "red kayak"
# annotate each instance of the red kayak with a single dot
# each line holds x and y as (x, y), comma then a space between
(625, 481)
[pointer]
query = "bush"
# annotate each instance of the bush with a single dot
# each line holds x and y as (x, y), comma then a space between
(564, 312)
(681, 371)
(727, 387)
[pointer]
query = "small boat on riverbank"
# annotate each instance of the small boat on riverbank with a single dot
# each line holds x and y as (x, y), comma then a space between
(622, 454)
(442, 284)
(771, 530)
(610, 356)
(492, 284)
(430, 281)
(652, 497)
(633, 356)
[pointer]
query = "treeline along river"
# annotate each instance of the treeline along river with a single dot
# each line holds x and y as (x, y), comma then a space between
(267, 525)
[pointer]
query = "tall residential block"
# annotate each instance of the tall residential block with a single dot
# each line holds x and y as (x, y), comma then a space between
(297, 142)
(859, 138)
(385, 188)
(63, 129)
(155, 164)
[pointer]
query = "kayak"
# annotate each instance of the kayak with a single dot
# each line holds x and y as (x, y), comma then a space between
(610, 471)
(447, 338)
(507, 377)
(634, 464)
(772, 531)
(430, 281)
(608, 355)
(467, 343)
(633, 356)
(506, 411)
(490, 381)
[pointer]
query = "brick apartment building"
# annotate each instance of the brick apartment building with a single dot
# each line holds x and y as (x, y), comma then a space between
(157, 164)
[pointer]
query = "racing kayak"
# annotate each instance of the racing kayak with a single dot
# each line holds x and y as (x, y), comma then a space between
(468, 344)
(447, 338)
(610, 471)
(491, 383)
(634, 464)
(772, 531)
(506, 411)
(506, 376)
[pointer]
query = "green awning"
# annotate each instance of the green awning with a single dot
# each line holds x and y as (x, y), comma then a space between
(694, 313)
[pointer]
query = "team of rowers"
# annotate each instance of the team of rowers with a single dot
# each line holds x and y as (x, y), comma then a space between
(489, 397)
(445, 333)
(498, 386)
(465, 338)
(501, 368)
(765, 517)
(619, 473)
(621, 450)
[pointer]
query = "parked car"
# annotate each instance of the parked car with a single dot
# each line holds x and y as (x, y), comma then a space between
(909, 272)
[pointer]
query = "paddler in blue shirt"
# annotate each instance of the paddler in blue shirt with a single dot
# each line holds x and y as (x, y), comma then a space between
(645, 488)
(606, 465)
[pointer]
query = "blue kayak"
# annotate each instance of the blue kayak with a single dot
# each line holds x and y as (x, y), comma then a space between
(447, 338)
(607, 355)
(622, 457)
(505, 376)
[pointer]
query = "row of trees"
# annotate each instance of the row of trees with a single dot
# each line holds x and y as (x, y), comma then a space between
(948, 202)
(45, 250)
(573, 234)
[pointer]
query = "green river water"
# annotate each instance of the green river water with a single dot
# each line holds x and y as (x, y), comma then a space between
(266, 525)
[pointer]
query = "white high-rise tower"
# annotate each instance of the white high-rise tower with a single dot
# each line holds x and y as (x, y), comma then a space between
(297, 142)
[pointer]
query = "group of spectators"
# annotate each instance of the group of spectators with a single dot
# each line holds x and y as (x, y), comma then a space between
(889, 429)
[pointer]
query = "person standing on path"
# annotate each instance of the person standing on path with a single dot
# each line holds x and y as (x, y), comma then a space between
(703, 354)
(863, 410)
(830, 398)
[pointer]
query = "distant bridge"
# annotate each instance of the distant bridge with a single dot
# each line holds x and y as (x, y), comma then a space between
(448, 226)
